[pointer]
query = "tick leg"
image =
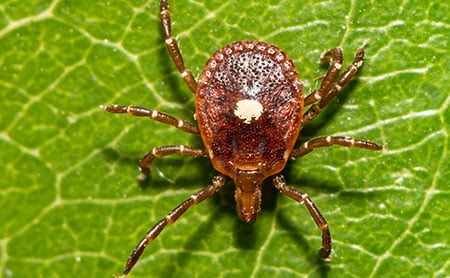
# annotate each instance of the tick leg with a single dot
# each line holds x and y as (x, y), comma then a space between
(335, 55)
(320, 142)
(152, 114)
(334, 88)
(171, 217)
(163, 151)
(303, 198)
(172, 46)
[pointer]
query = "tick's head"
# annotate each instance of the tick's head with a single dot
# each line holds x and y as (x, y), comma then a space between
(248, 194)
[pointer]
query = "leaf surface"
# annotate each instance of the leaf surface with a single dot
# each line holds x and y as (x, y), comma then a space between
(71, 203)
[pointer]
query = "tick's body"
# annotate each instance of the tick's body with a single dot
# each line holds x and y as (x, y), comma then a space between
(249, 109)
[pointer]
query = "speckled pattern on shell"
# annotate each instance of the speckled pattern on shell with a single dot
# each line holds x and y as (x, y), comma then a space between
(255, 71)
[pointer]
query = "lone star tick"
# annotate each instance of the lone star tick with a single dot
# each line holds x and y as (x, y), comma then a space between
(249, 109)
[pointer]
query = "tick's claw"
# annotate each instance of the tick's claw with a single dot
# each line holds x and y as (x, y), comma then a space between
(145, 172)
(142, 177)
(325, 254)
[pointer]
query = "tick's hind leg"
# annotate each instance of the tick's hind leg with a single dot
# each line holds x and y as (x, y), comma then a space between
(171, 217)
(330, 88)
(163, 151)
(173, 48)
(335, 55)
(303, 198)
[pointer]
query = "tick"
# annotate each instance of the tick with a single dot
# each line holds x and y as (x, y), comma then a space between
(249, 112)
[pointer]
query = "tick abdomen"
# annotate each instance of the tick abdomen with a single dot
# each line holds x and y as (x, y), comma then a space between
(249, 105)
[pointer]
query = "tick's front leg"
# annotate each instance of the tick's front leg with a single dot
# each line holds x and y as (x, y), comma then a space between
(171, 217)
(303, 198)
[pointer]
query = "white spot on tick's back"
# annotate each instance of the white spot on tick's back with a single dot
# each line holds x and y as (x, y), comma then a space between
(248, 110)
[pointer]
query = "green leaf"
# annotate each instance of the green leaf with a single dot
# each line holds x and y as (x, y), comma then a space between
(71, 204)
